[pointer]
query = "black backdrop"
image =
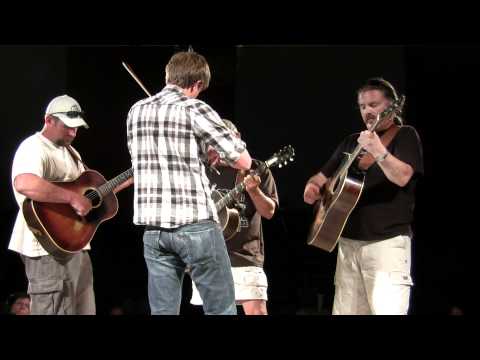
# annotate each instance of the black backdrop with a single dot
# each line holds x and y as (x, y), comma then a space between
(277, 95)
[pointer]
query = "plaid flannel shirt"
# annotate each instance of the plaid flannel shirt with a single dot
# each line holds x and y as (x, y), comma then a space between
(167, 136)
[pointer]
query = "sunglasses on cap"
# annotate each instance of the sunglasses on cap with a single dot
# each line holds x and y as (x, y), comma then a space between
(71, 114)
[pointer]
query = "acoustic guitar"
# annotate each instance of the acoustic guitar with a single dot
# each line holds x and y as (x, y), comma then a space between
(341, 193)
(59, 229)
(229, 217)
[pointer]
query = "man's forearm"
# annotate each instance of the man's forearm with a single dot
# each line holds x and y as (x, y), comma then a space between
(264, 205)
(395, 170)
(38, 189)
(123, 185)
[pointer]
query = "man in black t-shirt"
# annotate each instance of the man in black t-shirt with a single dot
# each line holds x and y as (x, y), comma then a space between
(246, 248)
(374, 254)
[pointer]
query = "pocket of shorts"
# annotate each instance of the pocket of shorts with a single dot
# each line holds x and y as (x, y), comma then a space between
(46, 297)
(45, 287)
(401, 278)
(254, 278)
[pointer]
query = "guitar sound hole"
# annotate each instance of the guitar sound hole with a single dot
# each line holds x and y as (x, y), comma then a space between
(93, 196)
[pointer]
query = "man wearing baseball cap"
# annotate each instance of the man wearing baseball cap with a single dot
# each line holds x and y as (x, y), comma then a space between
(56, 287)
(68, 110)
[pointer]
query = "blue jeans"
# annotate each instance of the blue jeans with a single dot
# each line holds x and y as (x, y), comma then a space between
(201, 246)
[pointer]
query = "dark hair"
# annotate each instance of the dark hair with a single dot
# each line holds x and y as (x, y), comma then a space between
(15, 296)
(381, 84)
(386, 88)
(7, 304)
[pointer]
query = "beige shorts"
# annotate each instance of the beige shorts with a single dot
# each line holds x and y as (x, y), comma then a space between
(373, 277)
(250, 284)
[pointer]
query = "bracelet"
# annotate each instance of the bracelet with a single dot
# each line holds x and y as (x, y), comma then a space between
(382, 157)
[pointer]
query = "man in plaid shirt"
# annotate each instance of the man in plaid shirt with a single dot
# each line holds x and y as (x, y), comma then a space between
(168, 135)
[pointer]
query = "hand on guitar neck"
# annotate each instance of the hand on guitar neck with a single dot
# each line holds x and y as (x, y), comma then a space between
(371, 143)
(251, 181)
(263, 204)
(123, 185)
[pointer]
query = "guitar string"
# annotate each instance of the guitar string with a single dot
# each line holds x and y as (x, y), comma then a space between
(108, 185)
(285, 155)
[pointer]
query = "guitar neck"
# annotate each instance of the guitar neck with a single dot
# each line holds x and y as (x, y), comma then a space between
(229, 198)
(113, 183)
(394, 109)
(342, 170)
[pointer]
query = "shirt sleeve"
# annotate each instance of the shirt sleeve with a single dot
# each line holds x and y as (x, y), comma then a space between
(28, 159)
(129, 132)
(211, 131)
(408, 148)
(268, 186)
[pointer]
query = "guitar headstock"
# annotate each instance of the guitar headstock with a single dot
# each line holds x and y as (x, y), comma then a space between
(394, 110)
(282, 157)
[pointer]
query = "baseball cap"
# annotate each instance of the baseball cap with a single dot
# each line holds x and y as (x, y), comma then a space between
(68, 110)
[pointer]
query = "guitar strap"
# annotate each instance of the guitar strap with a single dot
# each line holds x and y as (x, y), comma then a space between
(367, 159)
(76, 158)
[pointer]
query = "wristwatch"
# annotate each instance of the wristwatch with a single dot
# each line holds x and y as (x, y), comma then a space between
(382, 157)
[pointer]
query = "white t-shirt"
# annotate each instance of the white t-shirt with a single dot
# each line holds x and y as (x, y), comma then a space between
(39, 156)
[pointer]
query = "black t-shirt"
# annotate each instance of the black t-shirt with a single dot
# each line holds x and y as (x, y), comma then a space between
(246, 248)
(385, 209)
